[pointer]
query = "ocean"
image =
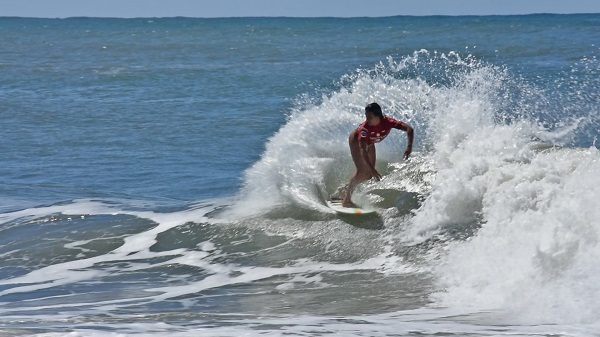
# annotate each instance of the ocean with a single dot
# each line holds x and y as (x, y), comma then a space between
(168, 177)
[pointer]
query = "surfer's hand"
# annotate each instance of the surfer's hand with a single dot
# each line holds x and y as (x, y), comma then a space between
(408, 152)
(376, 175)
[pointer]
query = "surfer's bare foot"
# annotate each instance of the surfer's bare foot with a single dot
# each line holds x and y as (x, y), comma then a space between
(349, 204)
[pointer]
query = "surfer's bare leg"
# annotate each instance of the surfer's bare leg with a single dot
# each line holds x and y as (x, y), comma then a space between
(356, 179)
(363, 171)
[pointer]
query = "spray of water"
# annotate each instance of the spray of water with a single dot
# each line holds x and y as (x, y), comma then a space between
(505, 169)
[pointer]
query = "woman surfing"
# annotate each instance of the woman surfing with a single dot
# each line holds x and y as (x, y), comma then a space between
(362, 146)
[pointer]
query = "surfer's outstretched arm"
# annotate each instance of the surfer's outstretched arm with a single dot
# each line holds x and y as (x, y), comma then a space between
(410, 134)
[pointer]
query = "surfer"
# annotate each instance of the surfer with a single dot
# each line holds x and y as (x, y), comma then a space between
(362, 146)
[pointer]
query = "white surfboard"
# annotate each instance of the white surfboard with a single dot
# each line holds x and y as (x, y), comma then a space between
(336, 205)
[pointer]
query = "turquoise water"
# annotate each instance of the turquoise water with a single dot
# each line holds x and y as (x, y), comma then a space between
(169, 176)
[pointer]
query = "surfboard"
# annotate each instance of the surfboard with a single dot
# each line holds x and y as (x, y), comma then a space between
(336, 205)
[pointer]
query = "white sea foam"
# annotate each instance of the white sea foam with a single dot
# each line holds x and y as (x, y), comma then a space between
(537, 251)
(533, 257)
(135, 247)
(425, 322)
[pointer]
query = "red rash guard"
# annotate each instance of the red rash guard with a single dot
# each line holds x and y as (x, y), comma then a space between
(375, 134)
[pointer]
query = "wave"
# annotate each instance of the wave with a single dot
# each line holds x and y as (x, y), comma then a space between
(445, 97)
(502, 177)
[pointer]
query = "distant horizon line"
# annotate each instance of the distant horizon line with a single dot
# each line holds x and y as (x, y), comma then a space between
(288, 17)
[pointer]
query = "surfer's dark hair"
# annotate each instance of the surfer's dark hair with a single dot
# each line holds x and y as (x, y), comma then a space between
(375, 109)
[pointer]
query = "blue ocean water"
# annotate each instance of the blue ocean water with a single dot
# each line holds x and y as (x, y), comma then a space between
(169, 176)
